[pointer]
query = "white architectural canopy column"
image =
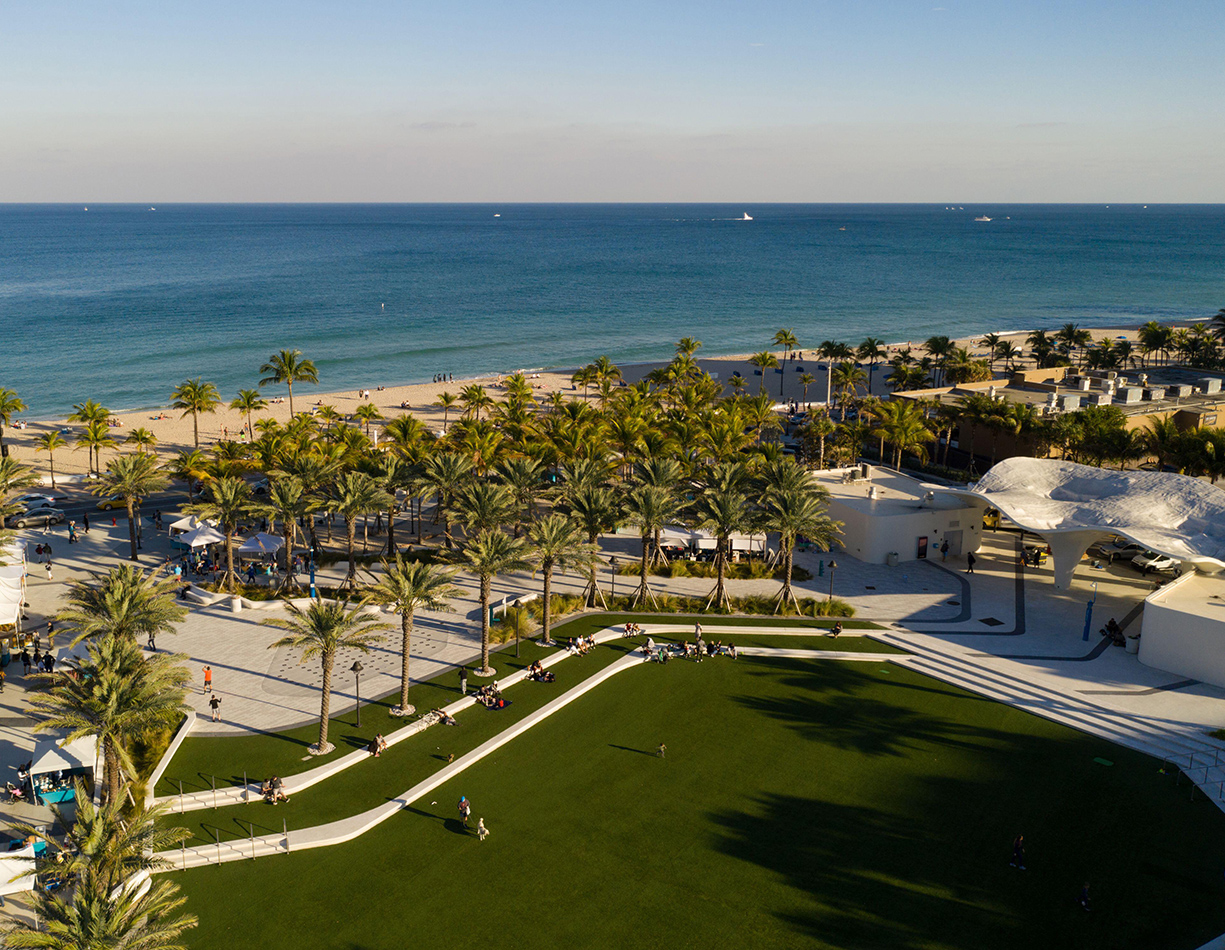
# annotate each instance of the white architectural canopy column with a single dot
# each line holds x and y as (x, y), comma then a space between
(1067, 549)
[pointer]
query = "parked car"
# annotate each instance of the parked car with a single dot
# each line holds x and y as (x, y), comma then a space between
(35, 517)
(259, 486)
(35, 501)
(112, 504)
(1152, 561)
(1120, 548)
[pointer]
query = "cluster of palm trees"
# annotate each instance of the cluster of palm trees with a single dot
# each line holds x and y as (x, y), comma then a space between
(115, 694)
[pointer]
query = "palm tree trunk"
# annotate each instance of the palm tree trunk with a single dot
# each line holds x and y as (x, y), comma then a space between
(640, 595)
(351, 540)
(391, 530)
(406, 642)
(485, 585)
(230, 579)
(51, 460)
(786, 594)
(325, 703)
(290, 384)
(195, 427)
(132, 527)
(720, 592)
(288, 530)
(111, 768)
(546, 613)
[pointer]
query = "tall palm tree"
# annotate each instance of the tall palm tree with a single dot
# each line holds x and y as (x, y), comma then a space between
(125, 603)
(475, 398)
(788, 341)
(148, 920)
(131, 477)
(525, 478)
(446, 402)
(366, 413)
(992, 342)
(95, 437)
(687, 345)
(870, 351)
(558, 544)
(288, 367)
(287, 501)
(353, 495)
(763, 361)
(321, 631)
(490, 553)
(10, 403)
(48, 442)
(651, 508)
(904, 428)
(189, 467)
(819, 428)
(793, 512)
(195, 396)
(410, 586)
(806, 380)
(112, 695)
(247, 402)
(597, 510)
(225, 501)
(723, 512)
(483, 506)
(446, 474)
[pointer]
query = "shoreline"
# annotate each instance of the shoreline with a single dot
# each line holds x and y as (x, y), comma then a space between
(174, 432)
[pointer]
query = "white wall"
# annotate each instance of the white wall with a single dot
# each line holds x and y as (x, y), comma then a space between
(1183, 642)
(872, 538)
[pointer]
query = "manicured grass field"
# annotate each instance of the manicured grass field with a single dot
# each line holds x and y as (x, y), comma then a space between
(802, 803)
(202, 758)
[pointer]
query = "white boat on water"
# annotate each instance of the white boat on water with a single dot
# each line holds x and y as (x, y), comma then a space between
(745, 218)
(982, 217)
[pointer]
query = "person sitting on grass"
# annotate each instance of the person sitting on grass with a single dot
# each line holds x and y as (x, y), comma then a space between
(836, 628)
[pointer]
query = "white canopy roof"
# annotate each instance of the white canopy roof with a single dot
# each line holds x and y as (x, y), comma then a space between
(10, 613)
(188, 523)
(17, 870)
(262, 543)
(200, 536)
(12, 572)
(49, 757)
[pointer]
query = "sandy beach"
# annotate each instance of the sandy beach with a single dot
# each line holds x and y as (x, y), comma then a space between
(174, 432)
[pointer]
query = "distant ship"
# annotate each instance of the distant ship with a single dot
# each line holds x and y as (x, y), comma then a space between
(745, 218)
(982, 217)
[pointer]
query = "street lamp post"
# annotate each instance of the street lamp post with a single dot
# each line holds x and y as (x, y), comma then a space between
(833, 566)
(613, 563)
(356, 670)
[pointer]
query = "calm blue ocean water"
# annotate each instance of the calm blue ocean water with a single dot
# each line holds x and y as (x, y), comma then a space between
(121, 303)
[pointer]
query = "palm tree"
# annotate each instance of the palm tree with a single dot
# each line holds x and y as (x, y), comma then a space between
(356, 494)
(366, 413)
(1160, 439)
(763, 361)
(738, 384)
(723, 512)
(321, 631)
(226, 500)
(249, 401)
(597, 510)
(124, 603)
(870, 351)
(287, 501)
(113, 694)
(992, 342)
(148, 920)
(904, 378)
(788, 341)
(793, 512)
(524, 477)
(95, 437)
(445, 474)
(558, 544)
(131, 477)
(194, 396)
(490, 553)
(189, 467)
(806, 380)
(651, 508)
(13, 477)
(142, 438)
(1010, 353)
(483, 506)
(847, 378)
(446, 401)
(904, 427)
(410, 586)
(10, 403)
(48, 442)
(475, 398)
(288, 367)
(819, 427)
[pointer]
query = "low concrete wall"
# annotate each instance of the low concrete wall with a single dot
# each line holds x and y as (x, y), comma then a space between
(1182, 641)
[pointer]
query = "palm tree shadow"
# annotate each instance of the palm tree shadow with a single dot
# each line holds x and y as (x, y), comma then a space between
(625, 748)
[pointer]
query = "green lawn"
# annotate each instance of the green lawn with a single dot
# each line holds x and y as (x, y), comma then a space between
(201, 758)
(802, 803)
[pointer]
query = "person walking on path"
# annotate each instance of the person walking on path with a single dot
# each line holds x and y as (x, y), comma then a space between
(970, 559)
(944, 550)
(465, 809)
(215, 705)
(49, 571)
(152, 640)
(208, 679)
(463, 680)
(72, 532)
(85, 522)
(25, 661)
(481, 831)
(662, 749)
(1018, 853)
(51, 634)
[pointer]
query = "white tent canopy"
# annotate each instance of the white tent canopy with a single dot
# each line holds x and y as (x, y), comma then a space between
(50, 757)
(200, 536)
(11, 573)
(17, 871)
(10, 613)
(262, 543)
(189, 523)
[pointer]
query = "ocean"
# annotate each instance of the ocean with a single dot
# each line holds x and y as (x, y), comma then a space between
(120, 303)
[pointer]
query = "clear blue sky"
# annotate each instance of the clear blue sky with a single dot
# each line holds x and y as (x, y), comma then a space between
(815, 100)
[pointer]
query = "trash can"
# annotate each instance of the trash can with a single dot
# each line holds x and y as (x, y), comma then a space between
(236, 605)
(891, 558)
(1133, 645)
